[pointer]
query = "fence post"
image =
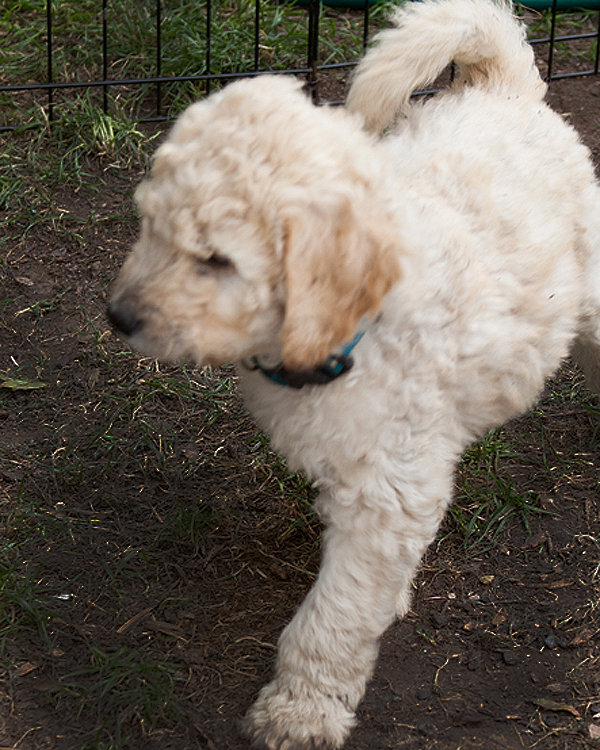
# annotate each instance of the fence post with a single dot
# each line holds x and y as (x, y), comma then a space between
(552, 37)
(314, 9)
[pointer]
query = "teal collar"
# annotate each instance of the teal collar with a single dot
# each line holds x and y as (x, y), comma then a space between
(336, 364)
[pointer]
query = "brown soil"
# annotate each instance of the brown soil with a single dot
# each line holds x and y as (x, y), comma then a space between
(501, 648)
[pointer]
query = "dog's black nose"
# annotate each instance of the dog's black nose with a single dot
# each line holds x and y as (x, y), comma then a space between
(124, 319)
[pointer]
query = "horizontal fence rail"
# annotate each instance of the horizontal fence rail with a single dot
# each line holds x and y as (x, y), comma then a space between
(326, 42)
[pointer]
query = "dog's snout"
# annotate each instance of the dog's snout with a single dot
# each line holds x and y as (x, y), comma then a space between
(124, 318)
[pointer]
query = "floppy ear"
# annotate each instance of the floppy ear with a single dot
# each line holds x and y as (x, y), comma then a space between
(339, 265)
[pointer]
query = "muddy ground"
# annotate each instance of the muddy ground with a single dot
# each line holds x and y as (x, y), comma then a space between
(159, 524)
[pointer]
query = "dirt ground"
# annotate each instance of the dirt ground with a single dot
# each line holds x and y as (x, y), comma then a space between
(501, 648)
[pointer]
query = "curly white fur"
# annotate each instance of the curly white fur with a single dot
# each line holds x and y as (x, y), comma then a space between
(469, 236)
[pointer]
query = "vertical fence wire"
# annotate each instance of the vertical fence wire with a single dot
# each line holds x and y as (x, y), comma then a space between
(366, 25)
(49, 59)
(256, 35)
(314, 9)
(597, 60)
(552, 39)
(158, 57)
(105, 54)
(208, 43)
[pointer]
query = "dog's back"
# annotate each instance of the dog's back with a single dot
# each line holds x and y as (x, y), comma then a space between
(488, 45)
(481, 37)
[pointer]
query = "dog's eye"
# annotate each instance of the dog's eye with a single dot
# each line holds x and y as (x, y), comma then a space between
(213, 263)
(219, 261)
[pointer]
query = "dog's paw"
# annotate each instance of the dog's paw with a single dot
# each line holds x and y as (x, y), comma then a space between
(299, 718)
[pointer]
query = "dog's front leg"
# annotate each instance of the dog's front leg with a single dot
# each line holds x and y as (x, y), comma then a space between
(327, 653)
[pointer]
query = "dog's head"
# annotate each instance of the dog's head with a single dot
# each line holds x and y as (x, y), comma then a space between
(262, 227)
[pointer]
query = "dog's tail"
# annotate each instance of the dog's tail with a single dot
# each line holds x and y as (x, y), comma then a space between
(481, 37)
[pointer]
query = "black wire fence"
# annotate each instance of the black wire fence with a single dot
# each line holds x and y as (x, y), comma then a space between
(561, 29)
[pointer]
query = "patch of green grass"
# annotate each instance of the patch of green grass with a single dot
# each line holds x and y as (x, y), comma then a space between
(539, 22)
(186, 526)
(294, 487)
(486, 454)
(77, 32)
(37, 164)
(23, 605)
(236, 46)
(481, 512)
(486, 498)
(594, 413)
(41, 307)
(143, 402)
(120, 694)
(570, 391)
(25, 517)
(25, 601)
(489, 496)
(572, 23)
(126, 692)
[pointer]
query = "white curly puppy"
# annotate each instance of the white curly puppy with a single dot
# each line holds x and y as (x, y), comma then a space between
(390, 299)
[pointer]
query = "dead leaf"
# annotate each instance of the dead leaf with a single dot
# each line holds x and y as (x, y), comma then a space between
(279, 571)
(557, 687)
(550, 705)
(583, 636)
(140, 617)
(19, 384)
(166, 628)
(25, 669)
(536, 540)
(46, 684)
